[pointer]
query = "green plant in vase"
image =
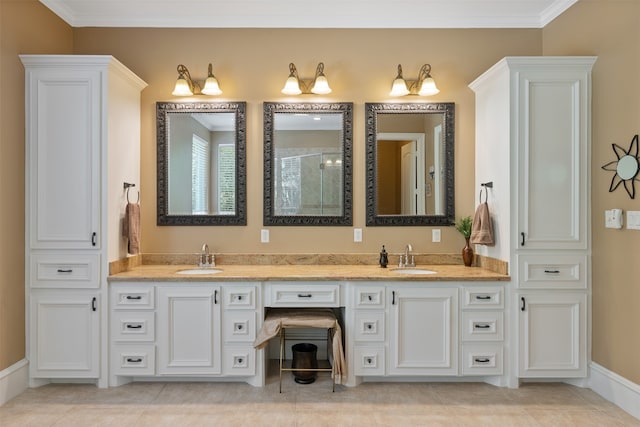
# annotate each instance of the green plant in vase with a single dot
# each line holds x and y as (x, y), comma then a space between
(463, 225)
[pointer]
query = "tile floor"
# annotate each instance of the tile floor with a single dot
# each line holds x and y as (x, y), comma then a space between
(370, 404)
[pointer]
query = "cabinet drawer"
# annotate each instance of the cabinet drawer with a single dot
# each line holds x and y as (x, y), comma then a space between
(313, 295)
(238, 297)
(134, 360)
(372, 297)
(133, 298)
(239, 326)
(483, 297)
(482, 359)
(239, 361)
(65, 271)
(552, 271)
(482, 326)
(369, 326)
(133, 326)
(368, 360)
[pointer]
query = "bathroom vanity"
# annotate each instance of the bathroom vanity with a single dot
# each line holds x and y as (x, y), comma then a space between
(164, 324)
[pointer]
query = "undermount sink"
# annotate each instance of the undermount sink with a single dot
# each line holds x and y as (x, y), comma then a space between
(198, 271)
(411, 270)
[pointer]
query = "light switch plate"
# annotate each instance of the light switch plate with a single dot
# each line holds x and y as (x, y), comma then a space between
(613, 218)
(633, 220)
(264, 236)
(357, 235)
(435, 235)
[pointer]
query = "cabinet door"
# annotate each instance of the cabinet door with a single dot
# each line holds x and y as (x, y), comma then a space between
(63, 136)
(423, 337)
(189, 330)
(553, 138)
(65, 335)
(553, 335)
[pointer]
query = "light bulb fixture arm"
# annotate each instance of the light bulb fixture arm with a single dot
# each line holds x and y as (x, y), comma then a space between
(424, 73)
(399, 76)
(183, 72)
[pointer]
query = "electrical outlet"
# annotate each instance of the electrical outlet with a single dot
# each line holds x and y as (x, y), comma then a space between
(357, 235)
(435, 235)
(264, 235)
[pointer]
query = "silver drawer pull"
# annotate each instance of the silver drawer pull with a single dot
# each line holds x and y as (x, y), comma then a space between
(132, 360)
(483, 297)
(305, 295)
(60, 270)
(481, 360)
(134, 326)
(552, 271)
(134, 297)
(481, 326)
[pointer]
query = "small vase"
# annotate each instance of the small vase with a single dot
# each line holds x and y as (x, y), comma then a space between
(467, 254)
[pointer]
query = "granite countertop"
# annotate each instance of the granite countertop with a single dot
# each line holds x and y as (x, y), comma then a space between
(231, 273)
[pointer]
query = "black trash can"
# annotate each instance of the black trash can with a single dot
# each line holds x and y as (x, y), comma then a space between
(304, 357)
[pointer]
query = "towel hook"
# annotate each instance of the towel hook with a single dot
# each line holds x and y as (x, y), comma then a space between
(127, 186)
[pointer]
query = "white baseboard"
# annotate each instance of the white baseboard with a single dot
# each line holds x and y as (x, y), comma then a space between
(13, 380)
(615, 389)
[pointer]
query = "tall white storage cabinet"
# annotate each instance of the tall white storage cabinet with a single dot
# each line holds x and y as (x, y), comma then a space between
(82, 144)
(534, 114)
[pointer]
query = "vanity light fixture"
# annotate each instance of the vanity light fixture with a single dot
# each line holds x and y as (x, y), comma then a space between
(424, 86)
(186, 86)
(296, 86)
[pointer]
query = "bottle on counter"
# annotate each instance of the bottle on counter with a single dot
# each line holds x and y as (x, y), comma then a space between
(384, 258)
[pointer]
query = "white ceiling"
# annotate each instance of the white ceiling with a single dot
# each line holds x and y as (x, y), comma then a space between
(309, 13)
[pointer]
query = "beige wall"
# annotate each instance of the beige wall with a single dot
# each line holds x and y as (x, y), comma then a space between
(609, 29)
(18, 20)
(251, 65)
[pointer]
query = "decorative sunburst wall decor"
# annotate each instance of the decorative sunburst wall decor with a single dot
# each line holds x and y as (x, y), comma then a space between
(625, 167)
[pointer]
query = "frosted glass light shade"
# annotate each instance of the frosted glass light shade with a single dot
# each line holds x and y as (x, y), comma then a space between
(291, 87)
(399, 88)
(182, 88)
(321, 86)
(211, 86)
(428, 87)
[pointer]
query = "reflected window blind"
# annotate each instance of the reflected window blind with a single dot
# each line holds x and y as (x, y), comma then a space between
(227, 179)
(200, 161)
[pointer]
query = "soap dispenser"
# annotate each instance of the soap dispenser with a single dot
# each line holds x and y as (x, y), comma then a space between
(384, 258)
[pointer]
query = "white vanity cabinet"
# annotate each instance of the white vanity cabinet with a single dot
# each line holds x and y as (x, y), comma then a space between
(533, 114)
(553, 334)
(65, 330)
(369, 330)
(82, 142)
(423, 330)
(189, 329)
(185, 330)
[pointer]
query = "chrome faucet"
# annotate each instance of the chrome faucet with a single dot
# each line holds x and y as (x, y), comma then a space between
(408, 257)
(207, 259)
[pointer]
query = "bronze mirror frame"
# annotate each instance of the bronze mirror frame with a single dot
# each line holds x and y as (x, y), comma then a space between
(272, 108)
(371, 111)
(163, 110)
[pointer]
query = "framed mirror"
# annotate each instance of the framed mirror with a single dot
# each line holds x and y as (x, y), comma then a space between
(201, 163)
(308, 163)
(410, 164)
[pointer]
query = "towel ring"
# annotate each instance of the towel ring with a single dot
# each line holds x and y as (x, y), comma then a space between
(486, 195)
(127, 186)
(128, 196)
